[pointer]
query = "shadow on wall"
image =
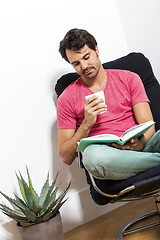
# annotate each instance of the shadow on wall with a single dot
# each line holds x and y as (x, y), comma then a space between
(80, 202)
(12, 231)
(67, 173)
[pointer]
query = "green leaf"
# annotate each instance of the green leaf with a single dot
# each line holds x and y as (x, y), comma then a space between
(47, 216)
(28, 211)
(15, 207)
(48, 197)
(30, 215)
(15, 218)
(58, 206)
(36, 197)
(59, 199)
(54, 193)
(36, 208)
(13, 202)
(26, 224)
(20, 202)
(21, 188)
(49, 201)
(11, 212)
(28, 193)
(44, 191)
(62, 195)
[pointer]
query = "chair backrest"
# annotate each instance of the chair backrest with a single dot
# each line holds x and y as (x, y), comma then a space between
(135, 62)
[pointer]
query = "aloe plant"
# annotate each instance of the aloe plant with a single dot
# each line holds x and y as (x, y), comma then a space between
(33, 208)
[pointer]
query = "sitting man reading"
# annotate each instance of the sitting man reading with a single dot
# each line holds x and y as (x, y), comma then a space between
(126, 105)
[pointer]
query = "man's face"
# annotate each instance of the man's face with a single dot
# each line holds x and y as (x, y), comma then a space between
(85, 61)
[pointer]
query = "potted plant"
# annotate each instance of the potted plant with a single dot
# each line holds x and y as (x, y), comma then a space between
(37, 216)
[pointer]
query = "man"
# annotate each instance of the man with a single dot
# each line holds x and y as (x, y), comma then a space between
(126, 105)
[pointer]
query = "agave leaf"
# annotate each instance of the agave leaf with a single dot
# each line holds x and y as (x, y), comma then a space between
(44, 191)
(62, 195)
(59, 205)
(21, 188)
(28, 193)
(36, 208)
(13, 202)
(26, 224)
(15, 207)
(48, 197)
(53, 184)
(15, 218)
(30, 215)
(54, 193)
(36, 197)
(20, 202)
(59, 199)
(11, 212)
(29, 211)
(47, 216)
(23, 221)
(49, 201)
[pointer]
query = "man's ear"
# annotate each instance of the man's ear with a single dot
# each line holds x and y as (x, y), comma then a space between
(97, 51)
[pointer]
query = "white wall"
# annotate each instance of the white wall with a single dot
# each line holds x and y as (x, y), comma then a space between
(140, 20)
(30, 65)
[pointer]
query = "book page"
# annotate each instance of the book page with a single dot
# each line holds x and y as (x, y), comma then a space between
(99, 139)
(136, 130)
(102, 137)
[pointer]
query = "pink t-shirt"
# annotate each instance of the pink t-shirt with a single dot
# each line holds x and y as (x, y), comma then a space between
(123, 90)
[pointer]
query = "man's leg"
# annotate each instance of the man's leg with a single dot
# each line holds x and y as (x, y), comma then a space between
(153, 144)
(105, 162)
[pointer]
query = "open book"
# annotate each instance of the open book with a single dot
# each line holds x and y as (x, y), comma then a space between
(135, 131)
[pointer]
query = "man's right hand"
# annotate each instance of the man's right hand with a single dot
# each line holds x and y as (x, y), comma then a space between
(68, 138)
(93, 108)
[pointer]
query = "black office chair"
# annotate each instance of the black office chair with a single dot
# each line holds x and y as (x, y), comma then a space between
(145, 184)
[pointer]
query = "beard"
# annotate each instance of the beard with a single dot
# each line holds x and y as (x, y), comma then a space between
(91, 72)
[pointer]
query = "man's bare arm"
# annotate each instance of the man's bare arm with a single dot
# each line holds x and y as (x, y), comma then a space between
(142, 114)
(68, 138)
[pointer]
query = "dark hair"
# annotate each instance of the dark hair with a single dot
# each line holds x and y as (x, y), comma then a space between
(75, 39)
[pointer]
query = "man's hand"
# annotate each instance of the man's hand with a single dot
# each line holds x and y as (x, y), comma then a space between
(68, 138)
(135, 144)
(92, 108)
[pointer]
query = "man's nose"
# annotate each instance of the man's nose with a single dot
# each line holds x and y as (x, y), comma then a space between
(83, 65)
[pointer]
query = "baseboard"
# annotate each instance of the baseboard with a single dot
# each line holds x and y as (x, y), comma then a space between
(80, 209)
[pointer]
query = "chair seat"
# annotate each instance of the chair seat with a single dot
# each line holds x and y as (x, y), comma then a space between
(145, 184)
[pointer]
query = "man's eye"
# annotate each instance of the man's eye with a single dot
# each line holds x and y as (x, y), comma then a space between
(87, 57)
(76, 64)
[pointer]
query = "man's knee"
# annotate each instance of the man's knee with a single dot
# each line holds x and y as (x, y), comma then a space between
(97, 161)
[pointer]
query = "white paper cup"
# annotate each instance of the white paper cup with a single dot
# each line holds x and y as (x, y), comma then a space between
(100, 95)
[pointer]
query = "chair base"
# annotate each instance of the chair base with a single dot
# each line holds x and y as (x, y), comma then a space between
(125, 229)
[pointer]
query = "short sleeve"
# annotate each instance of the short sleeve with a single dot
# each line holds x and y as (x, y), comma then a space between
(138, 93)
(65, 112)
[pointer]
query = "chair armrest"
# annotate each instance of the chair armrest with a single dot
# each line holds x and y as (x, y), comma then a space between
(79, 160)
(121, 193)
